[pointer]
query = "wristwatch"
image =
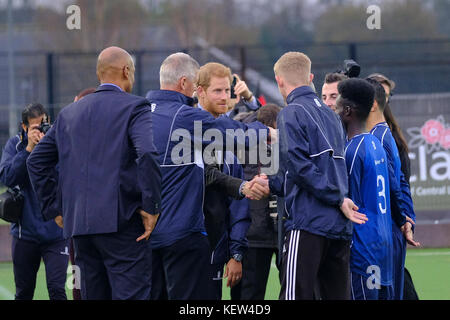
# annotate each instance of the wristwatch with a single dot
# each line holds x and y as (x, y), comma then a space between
(237, 257)
(241, 188)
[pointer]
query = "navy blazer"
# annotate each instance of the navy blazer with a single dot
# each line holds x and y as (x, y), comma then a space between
(104, 147)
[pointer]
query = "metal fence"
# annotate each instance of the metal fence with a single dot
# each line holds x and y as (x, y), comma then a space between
(49, 77)
(418, 67)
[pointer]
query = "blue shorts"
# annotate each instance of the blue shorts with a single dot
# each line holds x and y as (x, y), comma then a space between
(362, 290)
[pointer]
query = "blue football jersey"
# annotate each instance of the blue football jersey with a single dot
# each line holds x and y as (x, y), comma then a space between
(401, 200)
(371, 251)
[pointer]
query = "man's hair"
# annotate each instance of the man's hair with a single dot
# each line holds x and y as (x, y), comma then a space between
(176, 66)
(383, 80)
(294, 67)
(334, 77)
(380, 94)
(267, 114)
(358, 94)
(210, 70)
(32, 111)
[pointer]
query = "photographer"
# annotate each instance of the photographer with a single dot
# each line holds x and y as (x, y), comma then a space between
(33, 238)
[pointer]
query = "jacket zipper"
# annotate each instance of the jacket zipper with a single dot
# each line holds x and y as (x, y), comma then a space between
(285, 195)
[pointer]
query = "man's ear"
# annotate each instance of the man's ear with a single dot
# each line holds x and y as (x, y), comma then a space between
(374, 107)
(348, 111)
(200, 92)
(126, 72)
(183, 83)
(279, 80)
(311, 78)
(24, 127)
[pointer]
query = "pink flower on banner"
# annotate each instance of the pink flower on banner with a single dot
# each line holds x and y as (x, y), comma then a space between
(445, 139)
(432, 131)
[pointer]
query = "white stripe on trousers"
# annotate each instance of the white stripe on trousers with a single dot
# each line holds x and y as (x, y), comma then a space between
(362, 286)
(291, 268)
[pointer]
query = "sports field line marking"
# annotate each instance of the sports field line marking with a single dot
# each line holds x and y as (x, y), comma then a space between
(426, 254)
(5, 294)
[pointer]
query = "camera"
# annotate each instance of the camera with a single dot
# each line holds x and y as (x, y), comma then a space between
(233, 84)
(351, 68)
(44, 127)
(11, 205)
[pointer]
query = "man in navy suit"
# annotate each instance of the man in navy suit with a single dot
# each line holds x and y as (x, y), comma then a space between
(109, 182)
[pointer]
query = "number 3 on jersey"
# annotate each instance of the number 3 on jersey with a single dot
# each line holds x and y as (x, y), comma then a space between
(382, 193)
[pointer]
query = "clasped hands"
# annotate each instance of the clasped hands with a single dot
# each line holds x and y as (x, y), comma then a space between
(257, 188)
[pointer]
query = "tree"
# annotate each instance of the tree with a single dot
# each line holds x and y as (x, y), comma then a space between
(215, 21)
(442, 12)
(103, 23)
(399, 20)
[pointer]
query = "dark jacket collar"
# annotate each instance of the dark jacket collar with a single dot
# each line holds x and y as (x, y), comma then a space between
(108, 87)
(169, 95)
(298, 92)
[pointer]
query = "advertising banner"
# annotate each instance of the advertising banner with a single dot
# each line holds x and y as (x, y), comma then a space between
(425, 122)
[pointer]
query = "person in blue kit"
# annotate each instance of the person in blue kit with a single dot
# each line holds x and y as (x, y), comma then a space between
(371, 248)
(318, 213)
(402, 207)
(180, 246)
(33, 238)
(107, 192)
(409, 291)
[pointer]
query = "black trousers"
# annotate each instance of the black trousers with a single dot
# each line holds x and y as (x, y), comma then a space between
(215, 281)
(409, 291)
(27, 257)
(255, 273)
(114, 266)
(181, 271)
(311, 263)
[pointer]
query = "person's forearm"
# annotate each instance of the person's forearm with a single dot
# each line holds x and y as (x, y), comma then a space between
(230, 184)
(149, 181)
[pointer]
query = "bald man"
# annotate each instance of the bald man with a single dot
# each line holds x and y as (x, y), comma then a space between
(107, 193)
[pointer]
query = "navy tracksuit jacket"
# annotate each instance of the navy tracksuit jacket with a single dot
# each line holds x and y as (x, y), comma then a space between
(313, 175)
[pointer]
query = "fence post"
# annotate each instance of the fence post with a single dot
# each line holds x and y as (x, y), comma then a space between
(243, 55)
(139, 73)
(352, 51)
(50, 86)
(13, 113)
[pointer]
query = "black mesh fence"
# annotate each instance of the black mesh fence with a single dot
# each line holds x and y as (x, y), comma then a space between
(420, 69)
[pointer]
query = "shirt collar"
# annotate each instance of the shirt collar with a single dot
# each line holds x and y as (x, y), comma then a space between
(169, 95)
(382, 124)
(112, 84)
(297, 92)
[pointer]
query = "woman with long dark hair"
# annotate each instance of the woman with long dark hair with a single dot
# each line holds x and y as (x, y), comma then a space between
(409, 291)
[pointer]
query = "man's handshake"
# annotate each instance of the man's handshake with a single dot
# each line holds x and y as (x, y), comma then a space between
(257, 188)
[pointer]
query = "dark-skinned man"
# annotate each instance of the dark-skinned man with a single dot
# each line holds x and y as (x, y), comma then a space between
(107, 194)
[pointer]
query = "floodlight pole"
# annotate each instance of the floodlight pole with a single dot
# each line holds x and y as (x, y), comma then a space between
(12, 90)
